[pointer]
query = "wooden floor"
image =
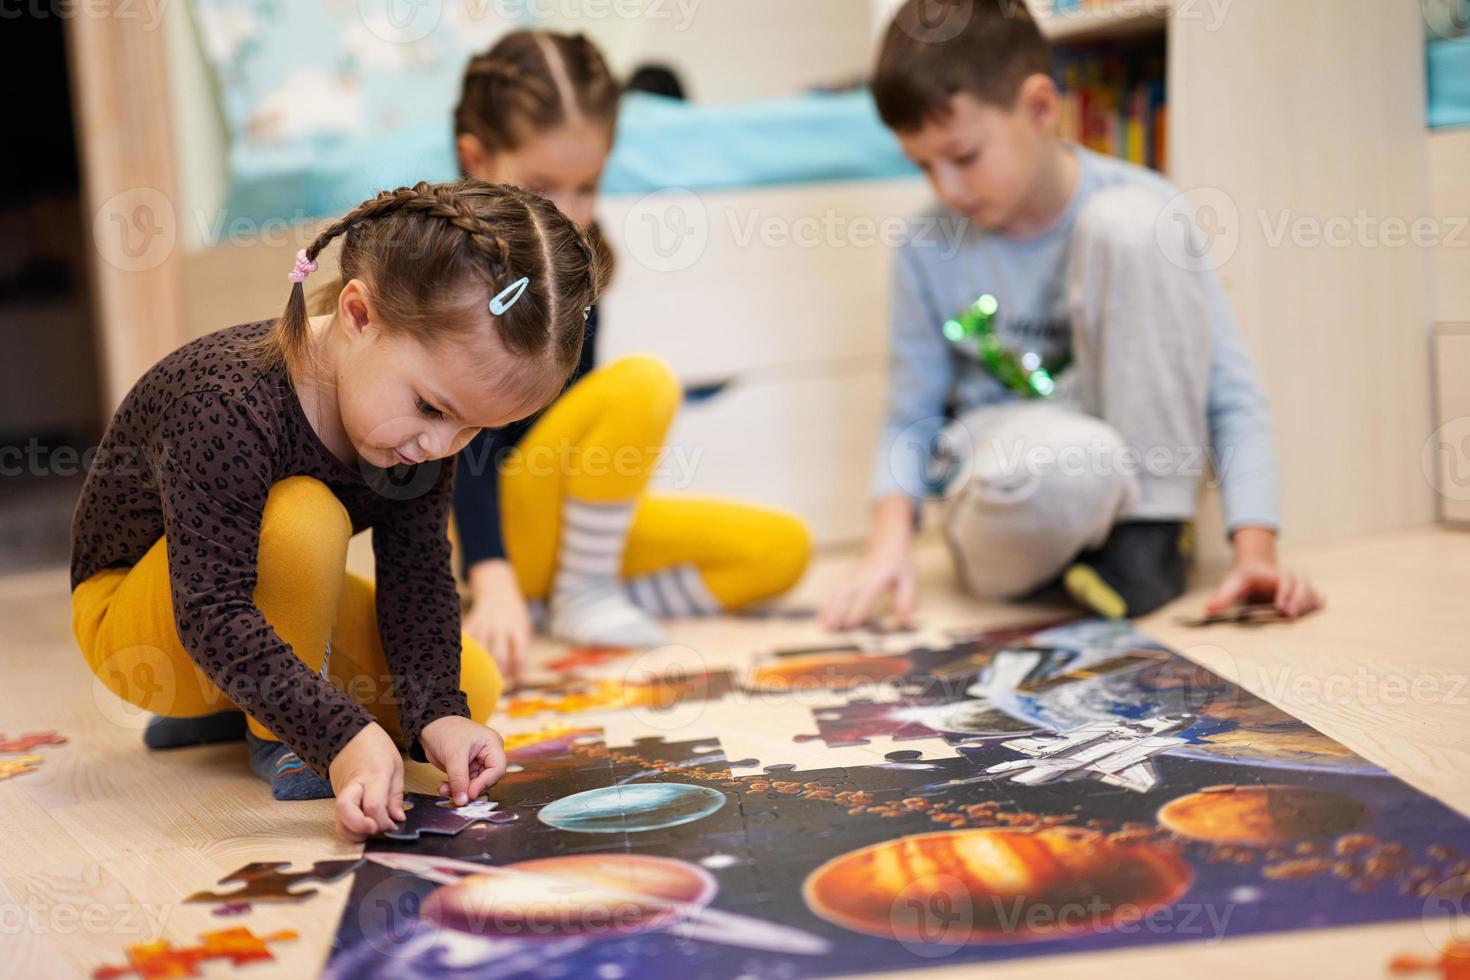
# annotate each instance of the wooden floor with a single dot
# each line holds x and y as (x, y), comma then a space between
(98, 847)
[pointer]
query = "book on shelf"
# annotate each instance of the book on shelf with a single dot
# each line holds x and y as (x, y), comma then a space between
(1114, 102)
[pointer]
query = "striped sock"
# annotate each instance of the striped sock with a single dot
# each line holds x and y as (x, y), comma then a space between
(588, 606)
(674, 593)
(289, 776)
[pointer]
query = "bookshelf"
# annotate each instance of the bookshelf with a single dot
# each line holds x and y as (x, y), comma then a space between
(1270, 131)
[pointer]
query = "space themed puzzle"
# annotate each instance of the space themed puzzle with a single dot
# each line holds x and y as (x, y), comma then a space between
(979, 796)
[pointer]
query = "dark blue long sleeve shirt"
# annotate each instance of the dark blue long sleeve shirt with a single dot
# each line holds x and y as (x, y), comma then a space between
(477, 475)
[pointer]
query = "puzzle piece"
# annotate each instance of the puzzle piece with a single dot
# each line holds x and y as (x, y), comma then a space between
(656, 692)
(233, 908)
(578, 657)
(427, 815)
(160, 960)
(1453, 963)
(1260, 614)
(19, 766)
(264, 881)
(27, 742)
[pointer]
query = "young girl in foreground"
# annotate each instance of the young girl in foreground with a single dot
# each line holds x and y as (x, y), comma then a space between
(555, 510)
(209, 544)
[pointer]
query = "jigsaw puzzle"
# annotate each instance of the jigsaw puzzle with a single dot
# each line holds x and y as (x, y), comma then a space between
(264, 881)
(19, 765)
(1077, 788)
(29, 741)
(432, 815)
(160, 960)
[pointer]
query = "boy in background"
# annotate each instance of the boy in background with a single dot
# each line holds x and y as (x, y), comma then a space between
(1059, 376)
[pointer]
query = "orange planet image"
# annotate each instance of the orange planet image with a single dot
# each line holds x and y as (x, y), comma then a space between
(1261, 816)
(995, 885)
(826, 671)
(577, 895)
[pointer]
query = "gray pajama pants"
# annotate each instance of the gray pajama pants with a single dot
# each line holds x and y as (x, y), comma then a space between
(1125, 436)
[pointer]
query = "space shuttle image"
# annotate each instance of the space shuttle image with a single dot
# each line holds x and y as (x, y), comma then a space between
(1114, 751)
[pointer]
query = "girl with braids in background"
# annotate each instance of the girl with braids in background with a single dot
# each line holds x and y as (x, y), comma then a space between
(553, 509)
(210, 541)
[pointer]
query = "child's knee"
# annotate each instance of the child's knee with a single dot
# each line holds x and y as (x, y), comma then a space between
(1045, 484)
(480, 679)
(650, 385)
(1124, 222)
(304, 528)
(787, 551)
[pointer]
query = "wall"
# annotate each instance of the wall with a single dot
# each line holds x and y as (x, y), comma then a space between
(1309, 111)
(739, 50)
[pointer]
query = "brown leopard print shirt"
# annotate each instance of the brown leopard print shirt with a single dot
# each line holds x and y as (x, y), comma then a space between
(190, 456)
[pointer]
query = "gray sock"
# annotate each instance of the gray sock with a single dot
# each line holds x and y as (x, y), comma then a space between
(176, 733)
(289, 776)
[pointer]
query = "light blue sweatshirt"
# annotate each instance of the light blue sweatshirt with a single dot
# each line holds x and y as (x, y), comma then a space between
(946, 262)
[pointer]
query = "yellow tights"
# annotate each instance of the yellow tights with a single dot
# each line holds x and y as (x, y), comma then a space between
(599, 443)
(123, 619)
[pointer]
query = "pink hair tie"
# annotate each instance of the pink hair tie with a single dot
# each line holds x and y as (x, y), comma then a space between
(304, 267)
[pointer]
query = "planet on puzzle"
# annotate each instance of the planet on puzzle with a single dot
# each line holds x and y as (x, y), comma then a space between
(1261, 816)
(578, 895)
(821, 671)
(633, 808)
(996, 885)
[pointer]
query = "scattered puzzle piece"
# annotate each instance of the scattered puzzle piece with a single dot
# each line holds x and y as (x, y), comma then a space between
(264, 881)
(426, 815)
(29, 741)
(1261, 614)
(19, 766)
(159, 960)
(233, 908)
(578, 657)
(1453, 963)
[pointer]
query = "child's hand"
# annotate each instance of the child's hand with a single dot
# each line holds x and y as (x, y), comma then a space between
(887, 565)
(367, 777)
(1257, 577)
(1258, 581)
(471, 754)
(498, 619)
(879, 571)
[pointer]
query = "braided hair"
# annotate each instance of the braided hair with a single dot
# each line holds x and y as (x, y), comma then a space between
(430, 257)
(533, 81)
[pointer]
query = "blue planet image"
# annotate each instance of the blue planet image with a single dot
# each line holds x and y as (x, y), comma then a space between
(629, 809)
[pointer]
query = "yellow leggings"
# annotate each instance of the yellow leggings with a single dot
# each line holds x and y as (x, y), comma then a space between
(123, 619)
(600, 442)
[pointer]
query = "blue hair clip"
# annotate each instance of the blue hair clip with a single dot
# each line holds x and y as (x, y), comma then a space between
(508, 296)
